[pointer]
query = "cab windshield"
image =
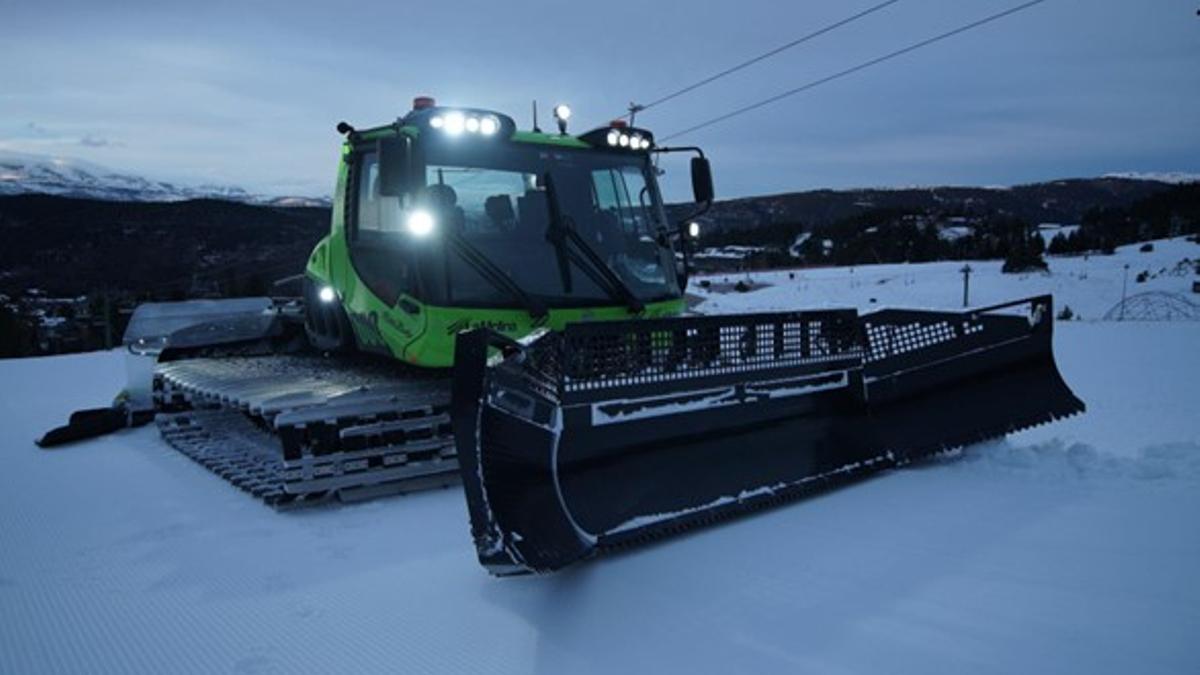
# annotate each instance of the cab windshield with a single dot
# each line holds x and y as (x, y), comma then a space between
(499, 202)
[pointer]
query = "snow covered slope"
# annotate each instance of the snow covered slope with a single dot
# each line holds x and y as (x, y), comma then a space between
(1089, 285)
(1066, 548)
(22, 173)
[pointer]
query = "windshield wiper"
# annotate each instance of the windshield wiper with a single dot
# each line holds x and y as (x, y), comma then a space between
(584, 256)
(554, 233)
(494, 275)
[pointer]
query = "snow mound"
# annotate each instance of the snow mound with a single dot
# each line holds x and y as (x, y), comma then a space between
(1057, 460)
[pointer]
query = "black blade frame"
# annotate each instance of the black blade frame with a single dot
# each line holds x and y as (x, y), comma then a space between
(615, 432)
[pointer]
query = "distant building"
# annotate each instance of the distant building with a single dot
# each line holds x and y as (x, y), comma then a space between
(730, 258)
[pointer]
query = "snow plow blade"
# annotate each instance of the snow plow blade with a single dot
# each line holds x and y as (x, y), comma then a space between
(612, 433)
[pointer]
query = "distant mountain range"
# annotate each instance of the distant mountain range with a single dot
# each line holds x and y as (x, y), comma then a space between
(71, 226)
(1059, 201)
(22, 173)
(69, 245)
(1172, 177)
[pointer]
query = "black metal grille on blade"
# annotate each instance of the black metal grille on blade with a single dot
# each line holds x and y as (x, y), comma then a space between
(540, 366)
(609, 355)
(887, 338)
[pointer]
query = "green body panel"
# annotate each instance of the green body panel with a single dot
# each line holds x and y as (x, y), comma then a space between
(414, 331)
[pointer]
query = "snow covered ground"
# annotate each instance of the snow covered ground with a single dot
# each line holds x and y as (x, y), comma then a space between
(1071, 547)
(1090, 285)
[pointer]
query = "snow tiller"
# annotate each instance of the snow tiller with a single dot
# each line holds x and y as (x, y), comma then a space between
(609, 433)
(453, 232)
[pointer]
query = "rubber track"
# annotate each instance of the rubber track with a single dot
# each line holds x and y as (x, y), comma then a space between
(221, 412)
(229, 446)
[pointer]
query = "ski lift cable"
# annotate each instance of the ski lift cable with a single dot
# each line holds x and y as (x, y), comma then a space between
(766, 55)
(862, 66)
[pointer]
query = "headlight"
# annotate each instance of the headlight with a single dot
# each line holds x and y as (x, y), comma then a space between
(419, 223)
(693, 229)
(489, 125)
(623, 141)
(613, 137)
(326, 294)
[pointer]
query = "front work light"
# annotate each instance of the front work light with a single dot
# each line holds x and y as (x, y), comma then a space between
(617, 137)
(454, 123)
(326, 294)
(419, 223)
(694, 230)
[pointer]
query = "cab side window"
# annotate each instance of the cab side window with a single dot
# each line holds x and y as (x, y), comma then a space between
(623, 194)
(379, 249)
(368, 193)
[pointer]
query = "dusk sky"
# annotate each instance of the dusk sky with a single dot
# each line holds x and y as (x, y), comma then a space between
(220, 92)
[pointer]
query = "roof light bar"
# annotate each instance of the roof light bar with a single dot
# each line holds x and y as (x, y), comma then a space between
(619, 137)
(456, 123)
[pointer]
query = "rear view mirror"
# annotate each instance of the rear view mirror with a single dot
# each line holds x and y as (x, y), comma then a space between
(702, 184)
(393, 166)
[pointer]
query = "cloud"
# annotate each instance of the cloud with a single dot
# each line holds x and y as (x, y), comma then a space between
(34, 137)
(93, 141)
(253, 101)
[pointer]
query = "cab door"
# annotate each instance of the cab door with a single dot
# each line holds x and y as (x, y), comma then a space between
(380, 251)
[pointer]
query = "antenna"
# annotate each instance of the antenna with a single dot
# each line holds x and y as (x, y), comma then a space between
(634, 109)
(535, 126)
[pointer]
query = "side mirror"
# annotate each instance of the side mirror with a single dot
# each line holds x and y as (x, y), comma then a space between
(393, 165)
(702, 184)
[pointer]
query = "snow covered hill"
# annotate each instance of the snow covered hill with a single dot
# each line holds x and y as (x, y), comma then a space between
(1071, 547)
(22, 173)
(1172, 177)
